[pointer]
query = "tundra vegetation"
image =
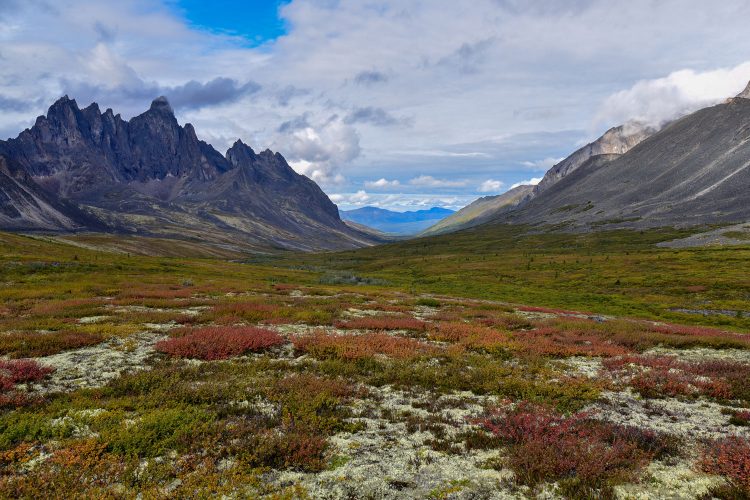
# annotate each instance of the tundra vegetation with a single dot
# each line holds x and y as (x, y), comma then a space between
(513, 365)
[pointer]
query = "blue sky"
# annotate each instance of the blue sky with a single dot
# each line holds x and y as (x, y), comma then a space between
(402, 104)
(257, 21)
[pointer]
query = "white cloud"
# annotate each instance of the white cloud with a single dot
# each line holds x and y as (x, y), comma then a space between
(400, 202)
(656, 101)
(432, 182)
(533, 182)
(490, 186)
(382, 183)
(543, 165)
(320, 151)
(358, 199)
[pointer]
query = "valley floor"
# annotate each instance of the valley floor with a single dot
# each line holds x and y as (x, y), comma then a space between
(167, 377)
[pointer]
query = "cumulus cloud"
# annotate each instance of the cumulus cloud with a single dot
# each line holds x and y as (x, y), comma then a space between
(382, 183)
(400, 201)
(659, 100)
(490, 186)
(358, 199)
(528, 182)
(432, 182)
(319, 151)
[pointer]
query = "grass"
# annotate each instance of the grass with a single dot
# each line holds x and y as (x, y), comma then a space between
(620, 272)
(494, 314)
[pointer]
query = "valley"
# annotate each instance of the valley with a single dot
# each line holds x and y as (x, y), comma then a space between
(374, 249)
(131, 372)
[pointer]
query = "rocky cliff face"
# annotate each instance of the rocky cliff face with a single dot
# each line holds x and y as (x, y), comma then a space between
(745, 94)
(615, 141)
(151, 175)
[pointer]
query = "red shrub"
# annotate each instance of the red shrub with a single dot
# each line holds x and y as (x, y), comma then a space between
(351, 347)
(383, 323)
(15, 372)
(24, 370)
(17, 399)
(729, 457)
(219, 342)
(660, 376)
(547, 446)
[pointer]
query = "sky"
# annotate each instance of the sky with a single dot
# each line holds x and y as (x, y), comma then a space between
(402, 104)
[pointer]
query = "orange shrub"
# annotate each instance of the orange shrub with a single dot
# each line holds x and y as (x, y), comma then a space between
(550, 341)
(470, 336)
(252, 312)
(383, 323)
(156, 292)
(730, 457)
(351, 347)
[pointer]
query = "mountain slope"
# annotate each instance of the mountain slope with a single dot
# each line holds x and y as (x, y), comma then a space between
(24, 206)
(151, 176)
(402, 223)
(480, 211)
(614, 142)
(694, 171)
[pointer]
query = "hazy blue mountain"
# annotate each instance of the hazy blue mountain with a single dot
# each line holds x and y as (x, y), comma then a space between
(389, 221)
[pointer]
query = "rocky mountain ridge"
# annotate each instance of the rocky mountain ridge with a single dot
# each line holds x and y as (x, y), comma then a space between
(150, 175)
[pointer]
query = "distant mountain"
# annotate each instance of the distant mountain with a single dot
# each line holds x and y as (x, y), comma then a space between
(694, 171)
(480, 211)
(401, 223)
(80, 169)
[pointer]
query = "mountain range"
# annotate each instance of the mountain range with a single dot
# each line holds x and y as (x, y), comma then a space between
(692, 171)
(84, 170)
(81, 170)
(397, 223)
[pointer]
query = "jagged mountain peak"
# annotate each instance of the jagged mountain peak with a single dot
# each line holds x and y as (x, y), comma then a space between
(745, 94)
(151, 175)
